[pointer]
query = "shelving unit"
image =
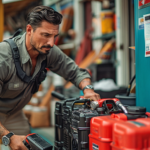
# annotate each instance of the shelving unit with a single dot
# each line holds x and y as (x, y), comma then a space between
(99, 39)
(105, 36)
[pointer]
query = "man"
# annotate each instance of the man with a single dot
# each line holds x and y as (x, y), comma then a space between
(35, 47)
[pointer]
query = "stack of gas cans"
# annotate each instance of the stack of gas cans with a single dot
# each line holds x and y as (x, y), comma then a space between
(121, 131)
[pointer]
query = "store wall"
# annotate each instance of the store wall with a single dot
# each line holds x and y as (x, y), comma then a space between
(142, 62)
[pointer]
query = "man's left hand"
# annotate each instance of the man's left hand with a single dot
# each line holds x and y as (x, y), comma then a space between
(90, 94)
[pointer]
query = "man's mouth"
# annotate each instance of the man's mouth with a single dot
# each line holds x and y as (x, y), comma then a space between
(47, 48)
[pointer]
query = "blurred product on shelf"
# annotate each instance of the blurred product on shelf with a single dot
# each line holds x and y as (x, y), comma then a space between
(107, 88)
(105, 85)
(73, 91)
(92, 56)
(106, 4)
(127, 100)
(38, 109)
(104, 69)
(58, 83)
(107, 22)
(47, 82)
(85, 47)
(106, 53)
(67, 19)
(66, 24)
(38, 116)
(34, 101)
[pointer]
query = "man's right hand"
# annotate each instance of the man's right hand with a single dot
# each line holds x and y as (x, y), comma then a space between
(16, 142)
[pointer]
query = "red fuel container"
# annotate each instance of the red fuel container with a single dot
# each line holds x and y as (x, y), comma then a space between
(107, 129)
(131, 135)
(100, 135)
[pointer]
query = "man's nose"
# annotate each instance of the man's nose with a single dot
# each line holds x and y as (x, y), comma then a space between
(51, 42)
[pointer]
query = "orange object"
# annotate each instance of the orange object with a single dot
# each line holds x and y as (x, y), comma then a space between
(67, 19)
(66, 24)
(107, 22)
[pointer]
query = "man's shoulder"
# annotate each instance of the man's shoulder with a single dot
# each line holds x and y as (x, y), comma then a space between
(55, 47)
(55, 50)
(5, 51)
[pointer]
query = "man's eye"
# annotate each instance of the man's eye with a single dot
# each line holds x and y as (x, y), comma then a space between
(46, 35)
(55, 36)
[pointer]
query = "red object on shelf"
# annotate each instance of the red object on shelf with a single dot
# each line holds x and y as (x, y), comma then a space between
(85, 48)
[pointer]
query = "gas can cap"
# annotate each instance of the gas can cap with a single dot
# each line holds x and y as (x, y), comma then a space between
(136, 110)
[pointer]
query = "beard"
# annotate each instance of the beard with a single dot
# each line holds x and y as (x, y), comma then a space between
(38, 49)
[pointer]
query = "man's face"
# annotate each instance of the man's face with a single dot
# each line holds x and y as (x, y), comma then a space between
(43, 38)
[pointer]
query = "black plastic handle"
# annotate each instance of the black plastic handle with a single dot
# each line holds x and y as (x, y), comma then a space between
(110, 102)
(80, 101)
(27, 145)
(129, 86)
(70, 100)
(58, 95)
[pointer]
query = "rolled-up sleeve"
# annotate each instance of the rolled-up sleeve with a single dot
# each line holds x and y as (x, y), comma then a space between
(64, 66)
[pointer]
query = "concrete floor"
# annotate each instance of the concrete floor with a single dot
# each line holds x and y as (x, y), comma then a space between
(45, 133)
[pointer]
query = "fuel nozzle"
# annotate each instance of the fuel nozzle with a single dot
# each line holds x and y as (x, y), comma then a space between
(121, 106)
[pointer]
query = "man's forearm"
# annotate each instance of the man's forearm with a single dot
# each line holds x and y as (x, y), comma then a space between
(84, 83)
(3, 131)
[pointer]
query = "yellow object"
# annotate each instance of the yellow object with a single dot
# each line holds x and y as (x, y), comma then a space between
(98, 61)
(107, 22)
(79, 104)
(1, 21)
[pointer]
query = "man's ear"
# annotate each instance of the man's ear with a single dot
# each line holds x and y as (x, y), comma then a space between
(29, 29)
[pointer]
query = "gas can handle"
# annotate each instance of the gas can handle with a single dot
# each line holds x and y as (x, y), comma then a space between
(110, 102)
(58, 95)
(62, 97)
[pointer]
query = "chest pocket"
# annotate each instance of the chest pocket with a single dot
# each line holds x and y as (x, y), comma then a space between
(15, 86)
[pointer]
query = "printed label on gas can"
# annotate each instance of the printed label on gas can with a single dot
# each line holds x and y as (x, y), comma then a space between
(95, 147)
(138, 124)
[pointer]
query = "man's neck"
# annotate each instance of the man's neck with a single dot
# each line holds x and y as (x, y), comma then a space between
(32, 53)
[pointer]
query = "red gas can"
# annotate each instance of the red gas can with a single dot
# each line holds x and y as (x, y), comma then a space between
(131, 135)
(104, 131)
(100, 135)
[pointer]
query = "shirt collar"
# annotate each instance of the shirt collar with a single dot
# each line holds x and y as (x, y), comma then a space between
(22, 49)
(24, 55)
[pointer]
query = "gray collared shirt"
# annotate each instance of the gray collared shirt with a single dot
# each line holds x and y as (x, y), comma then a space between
(14, 93)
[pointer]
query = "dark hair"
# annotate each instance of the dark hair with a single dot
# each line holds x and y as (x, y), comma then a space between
(41, 13)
